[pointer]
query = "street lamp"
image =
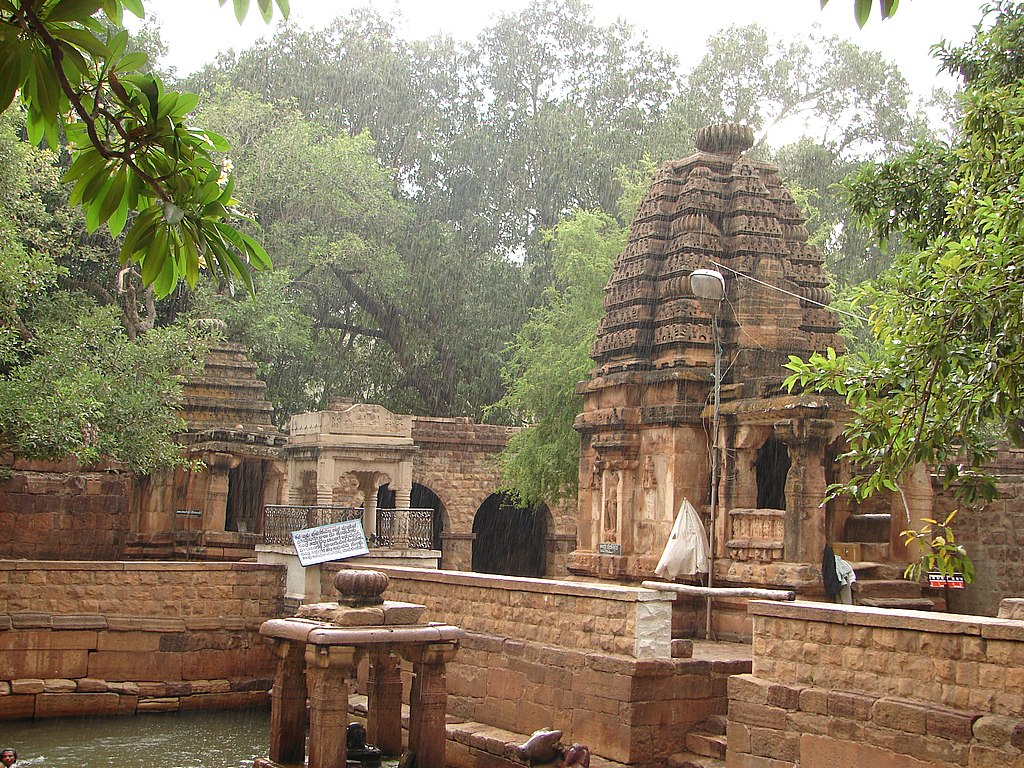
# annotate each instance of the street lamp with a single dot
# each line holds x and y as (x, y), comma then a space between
(709, 286)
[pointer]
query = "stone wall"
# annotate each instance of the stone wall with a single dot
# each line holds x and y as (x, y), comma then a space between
(83, 638)
(627, 621)
(57, 511)
(993, 534)
(844, 686)
(565, 655)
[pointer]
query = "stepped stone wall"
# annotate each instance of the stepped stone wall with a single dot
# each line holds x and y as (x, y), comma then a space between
(840, 686)
(88, 638)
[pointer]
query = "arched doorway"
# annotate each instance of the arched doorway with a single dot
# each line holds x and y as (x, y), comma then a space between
(772, 468)
(510, 540)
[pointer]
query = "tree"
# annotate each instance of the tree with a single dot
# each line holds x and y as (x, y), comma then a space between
(551, 353)
(132, 149)
(947, 378)
(72, 379)
(379, 301)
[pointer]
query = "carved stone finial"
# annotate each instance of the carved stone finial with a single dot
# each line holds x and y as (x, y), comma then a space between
(724, 139)
(360, 588)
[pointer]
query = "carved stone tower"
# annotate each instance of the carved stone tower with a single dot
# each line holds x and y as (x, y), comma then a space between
(645, 426)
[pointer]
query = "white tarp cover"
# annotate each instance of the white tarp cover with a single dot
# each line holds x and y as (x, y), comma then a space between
(686, 553)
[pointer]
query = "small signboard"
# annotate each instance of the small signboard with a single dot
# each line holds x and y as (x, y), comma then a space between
(335, 541)
(939, 579)
(609, 549)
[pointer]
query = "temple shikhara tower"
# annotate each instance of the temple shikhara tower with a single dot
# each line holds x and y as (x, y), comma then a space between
(646, 421)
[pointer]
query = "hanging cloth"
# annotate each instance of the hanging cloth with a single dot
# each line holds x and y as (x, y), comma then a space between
(829, 574)
(686, 553)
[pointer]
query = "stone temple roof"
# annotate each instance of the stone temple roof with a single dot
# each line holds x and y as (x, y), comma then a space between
(227, 403)
(717, 209)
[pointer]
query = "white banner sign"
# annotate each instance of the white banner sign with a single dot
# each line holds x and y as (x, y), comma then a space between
(330, 542)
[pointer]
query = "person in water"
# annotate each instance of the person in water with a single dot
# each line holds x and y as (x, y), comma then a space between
(8, 757)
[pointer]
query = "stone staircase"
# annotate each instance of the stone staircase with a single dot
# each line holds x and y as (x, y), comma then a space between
(879, 584)
(705, 748)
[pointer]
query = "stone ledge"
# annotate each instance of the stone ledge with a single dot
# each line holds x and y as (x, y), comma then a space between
(522, 584)
(886, 618)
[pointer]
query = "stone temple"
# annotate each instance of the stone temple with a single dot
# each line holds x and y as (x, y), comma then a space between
(645, 425)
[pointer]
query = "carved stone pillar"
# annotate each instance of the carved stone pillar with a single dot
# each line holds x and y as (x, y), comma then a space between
(804, 537)
(384, 702)
(216, 506)
(327, 672)
(288, 718)
(428, 701)
(324, 483)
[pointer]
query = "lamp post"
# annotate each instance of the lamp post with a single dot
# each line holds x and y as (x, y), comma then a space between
(709, 286)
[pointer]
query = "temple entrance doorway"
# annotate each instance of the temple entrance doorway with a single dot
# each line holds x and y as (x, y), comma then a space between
(772, 467)
(510, 540)
(246, 485)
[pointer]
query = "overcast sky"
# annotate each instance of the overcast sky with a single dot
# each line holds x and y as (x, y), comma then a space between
(196, 30)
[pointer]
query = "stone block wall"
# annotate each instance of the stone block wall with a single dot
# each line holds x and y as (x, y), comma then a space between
(457, 460)
(845, 686)
(993, 534)
(51, 510)
(632, 711)
(121, 638)
(629, 621)
(566, 655)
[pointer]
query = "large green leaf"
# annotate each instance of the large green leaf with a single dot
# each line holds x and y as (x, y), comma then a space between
(73, 10)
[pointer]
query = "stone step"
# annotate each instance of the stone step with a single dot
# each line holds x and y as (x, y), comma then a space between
(706, 744)
(869, 570)
(716, 724)
(878, 588)
(900, 603)
(691, 760)
(874, 551)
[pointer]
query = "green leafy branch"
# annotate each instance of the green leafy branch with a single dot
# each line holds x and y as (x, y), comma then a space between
(136, 162)
(939, 550)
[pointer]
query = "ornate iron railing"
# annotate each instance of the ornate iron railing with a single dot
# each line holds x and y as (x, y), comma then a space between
(405, 529)
(280, 520)
(396, 528)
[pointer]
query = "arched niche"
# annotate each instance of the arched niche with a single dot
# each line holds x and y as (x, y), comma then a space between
(510, 540)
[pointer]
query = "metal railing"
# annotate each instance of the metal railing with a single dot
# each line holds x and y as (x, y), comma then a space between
(396, 528)
(280, 520)
(405, 529)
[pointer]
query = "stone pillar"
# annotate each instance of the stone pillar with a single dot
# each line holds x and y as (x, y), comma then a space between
(384, 702)
(216, 507)
(804, 537)
(324, 482)
(370, 508)
(288, 718)
(402, 485)
(327, 672)
(428, 702)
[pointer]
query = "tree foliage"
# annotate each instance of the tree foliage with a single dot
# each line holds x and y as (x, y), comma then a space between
(551, 354)
(947, 377)
(137, 165)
